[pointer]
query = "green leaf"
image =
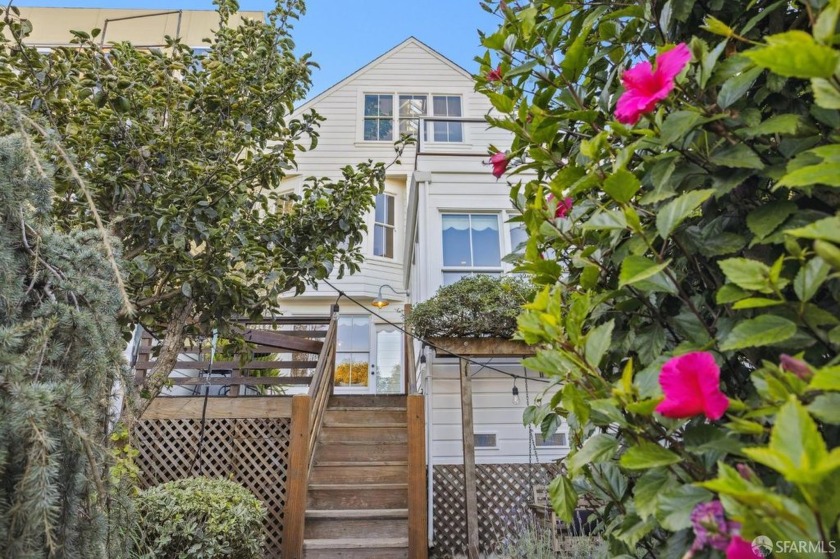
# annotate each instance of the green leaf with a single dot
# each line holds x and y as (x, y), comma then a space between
(827, 378)
(825, 172)
(826, 407)
(648, 455)
(598, 341)
(186, 289)
(502, 103)
(717, 27)
(598, 448)
(827, 229)
(756, 303)
(763, 330)
(825, 94)
(574, 400)
(622, 186)
(747, 274)
(797, 449)
(678, 124)
(730, 293)
(676, 505)
(609, 219)
(784, 125)
(739, 156)
(563, 498)
(795, 54)
(810, 278)
(674, 212)
(638, 268)
(632, 529)
(735, 87)
(766, 218)
(649, 487)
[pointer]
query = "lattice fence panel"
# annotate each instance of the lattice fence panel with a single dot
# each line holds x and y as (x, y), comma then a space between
(253, 452)
(504, 493)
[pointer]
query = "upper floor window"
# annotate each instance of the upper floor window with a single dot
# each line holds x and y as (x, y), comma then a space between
(471, 245)
(448, 106)
(383, 227)
(379, 118)
(412, 109)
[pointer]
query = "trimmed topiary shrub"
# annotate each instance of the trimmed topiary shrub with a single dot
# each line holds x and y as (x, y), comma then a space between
(200, 518)
(473, 307)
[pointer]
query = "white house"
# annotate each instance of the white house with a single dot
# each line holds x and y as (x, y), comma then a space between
(442, 216)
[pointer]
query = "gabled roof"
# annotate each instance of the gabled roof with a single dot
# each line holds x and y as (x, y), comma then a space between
(410, 41)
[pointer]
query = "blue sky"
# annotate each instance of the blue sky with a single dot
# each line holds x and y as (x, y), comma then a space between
(344, 35)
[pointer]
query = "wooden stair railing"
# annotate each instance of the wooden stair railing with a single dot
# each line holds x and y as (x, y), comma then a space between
(307, 418)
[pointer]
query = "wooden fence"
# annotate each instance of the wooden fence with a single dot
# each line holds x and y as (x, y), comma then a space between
(247, 437)
(504, 494)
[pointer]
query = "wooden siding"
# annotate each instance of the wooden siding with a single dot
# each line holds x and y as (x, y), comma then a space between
(493, 412)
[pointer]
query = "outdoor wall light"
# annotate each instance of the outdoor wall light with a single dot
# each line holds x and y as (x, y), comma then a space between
(380, 302)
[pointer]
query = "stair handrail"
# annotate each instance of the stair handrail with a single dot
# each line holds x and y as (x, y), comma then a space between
(321, 387)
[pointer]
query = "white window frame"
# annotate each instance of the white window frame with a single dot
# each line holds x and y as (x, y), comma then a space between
(472, 270)
(386, 226)
(428, 137)
(377, 118)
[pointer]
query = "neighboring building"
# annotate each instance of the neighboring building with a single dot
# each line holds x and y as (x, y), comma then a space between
(143, 28)
(442, 216)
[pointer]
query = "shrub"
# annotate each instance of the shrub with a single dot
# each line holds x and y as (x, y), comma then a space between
(696, 245)
(200, 518)
(473, 307)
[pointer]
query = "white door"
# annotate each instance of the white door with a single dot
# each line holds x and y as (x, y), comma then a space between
(353, 370)
(388, 366)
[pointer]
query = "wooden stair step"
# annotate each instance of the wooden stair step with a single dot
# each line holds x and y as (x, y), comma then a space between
(365, 416)
(355, 486)
(366, 408)
(337, 425)
(358, 473)
(358, 513)
(355, 543)
(372, 434)
(367, 401)
(358, 497)
(360, 452)
(339, 463)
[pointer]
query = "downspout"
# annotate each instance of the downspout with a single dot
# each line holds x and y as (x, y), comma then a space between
(427, 384)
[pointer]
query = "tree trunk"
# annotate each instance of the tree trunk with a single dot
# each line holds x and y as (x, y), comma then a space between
(170, 347)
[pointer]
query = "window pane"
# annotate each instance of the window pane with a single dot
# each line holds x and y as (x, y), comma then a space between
(389, 242)
(380, 208)
(370, 129)
(353, 333)
(385, 129)
(378, 240)
(409, 127)
(371, 105)
(518, 236)
(485, 239)
(352, 369)
(455, 132)
(454, 106)
(386, 105)
(456, 240)
(440, 131)
(451, 277)
(389, 213)
(439, 106)
(388, 361)
(412, 105)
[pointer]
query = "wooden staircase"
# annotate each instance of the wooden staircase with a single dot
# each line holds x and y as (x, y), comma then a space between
(357, 495)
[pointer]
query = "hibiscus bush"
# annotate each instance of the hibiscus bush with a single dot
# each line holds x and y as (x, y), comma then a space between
(676, 165)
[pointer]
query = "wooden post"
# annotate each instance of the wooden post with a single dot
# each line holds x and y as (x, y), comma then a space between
(470, 498)
(298, 478)
(418, 544)
(410, 380)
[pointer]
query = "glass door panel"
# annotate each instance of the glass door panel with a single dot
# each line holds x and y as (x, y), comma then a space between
(389, 369)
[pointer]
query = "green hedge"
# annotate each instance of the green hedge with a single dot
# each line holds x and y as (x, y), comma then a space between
(473, 307)
(200, 518)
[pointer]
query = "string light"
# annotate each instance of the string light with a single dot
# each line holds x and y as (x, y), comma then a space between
(515, 393)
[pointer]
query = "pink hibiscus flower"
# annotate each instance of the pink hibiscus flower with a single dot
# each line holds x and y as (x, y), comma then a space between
(739, 548)
(564, 206)
(644, 87)
(495, 75)
(500, 162)
(691, 384)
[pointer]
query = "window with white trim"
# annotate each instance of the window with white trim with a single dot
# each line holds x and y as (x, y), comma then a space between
(379, 118)
(383, 226)
(412, 109)
(557, 439)
(352, 357)
(471, 245)
(485, 440)
(448, 106)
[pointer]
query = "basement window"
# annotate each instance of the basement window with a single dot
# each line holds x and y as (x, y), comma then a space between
(557, 439)
(485, 440)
